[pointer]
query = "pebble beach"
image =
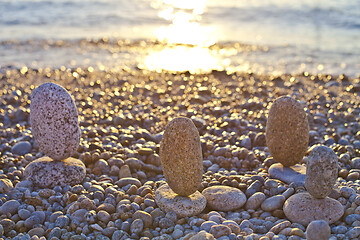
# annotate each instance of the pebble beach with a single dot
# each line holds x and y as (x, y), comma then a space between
(122, 118)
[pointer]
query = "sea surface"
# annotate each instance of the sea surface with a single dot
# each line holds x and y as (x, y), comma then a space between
(276, 36)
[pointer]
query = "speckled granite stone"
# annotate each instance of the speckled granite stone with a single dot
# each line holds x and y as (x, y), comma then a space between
(184, 206)
(321, 171)
(47, 173)
(287, 131)
(54, 121)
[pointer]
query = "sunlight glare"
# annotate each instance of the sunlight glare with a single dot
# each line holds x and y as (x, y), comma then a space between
(181, 59)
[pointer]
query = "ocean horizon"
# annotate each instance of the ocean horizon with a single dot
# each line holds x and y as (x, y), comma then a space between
(272, 36)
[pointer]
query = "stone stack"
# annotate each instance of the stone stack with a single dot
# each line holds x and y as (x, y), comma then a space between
(55, 127)
(181, 161)
(321, 175)
(287, 137)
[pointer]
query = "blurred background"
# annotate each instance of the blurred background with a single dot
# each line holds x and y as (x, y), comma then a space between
(269, 36)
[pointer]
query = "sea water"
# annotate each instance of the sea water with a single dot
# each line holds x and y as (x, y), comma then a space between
(278, 36)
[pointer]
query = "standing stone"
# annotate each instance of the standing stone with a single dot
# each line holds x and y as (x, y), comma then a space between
(181, 156)
(321, 171)
(287, 131)
(318, 230)
(54, 121)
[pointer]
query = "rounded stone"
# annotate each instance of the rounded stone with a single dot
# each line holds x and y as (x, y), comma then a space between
(183, 206)
(273, 203)
(224, 198)
(47, 173)
(321, 171)
(318, 230)
(287, 131)
(255, 201)
(181, 156)
(54, 121)
(5, 185)
(304, 208)
(10, 206)
(21, 148)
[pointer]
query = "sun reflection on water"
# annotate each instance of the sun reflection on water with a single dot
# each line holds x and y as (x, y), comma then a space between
(186, 41)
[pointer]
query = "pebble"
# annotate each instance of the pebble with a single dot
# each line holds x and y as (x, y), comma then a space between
(321, 171)
(303, 208)
(202, 235)
(255, 201)
(288, 175)
(137, 226)
(168, 201)
(273, 203)
(10, 206)
(54, 121)
(318, 230)
(207, 225)
(280, 226)
(5, 185)
(21, 148)
(144, 216)
(224, 198)
(47, 173)
(128, 180)
(181, 156)
(287, 131)
(220, 230)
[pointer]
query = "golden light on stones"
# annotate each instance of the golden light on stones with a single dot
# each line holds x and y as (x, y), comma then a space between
(187, 41)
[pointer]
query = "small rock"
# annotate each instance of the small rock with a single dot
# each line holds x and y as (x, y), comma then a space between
(220, 230)
(287, 131)
(181, 156)
(280, 226)
(37, 231)
(21, 148)
(54, 121)
(202, 235)
(303, 208)
(168, 201)
(224, 198)
(47, 173)
(318, 230)
(145, 217)
(10, 206)
(128, 180)
(288, 175)
(321, 171)
(272, 203)
(5, 185)
(137, 226)
(255, 201)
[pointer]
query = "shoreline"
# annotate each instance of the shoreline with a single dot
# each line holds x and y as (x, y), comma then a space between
(123, 113)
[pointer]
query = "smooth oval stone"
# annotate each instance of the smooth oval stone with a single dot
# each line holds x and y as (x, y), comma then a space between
(181, 156)
(224, 198)
(47, 173)
(321, 171)
(54, 121)
(287, 131)
(303, 208)
(183, 206)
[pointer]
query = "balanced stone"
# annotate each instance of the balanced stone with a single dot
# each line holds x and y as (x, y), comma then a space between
(321, 171)
(318, 230)
(47, 173)
(181, 156)
(54, 121)
(224, 198)
(183, 206)
(287, 131)
(288, 175)
(303, 208)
